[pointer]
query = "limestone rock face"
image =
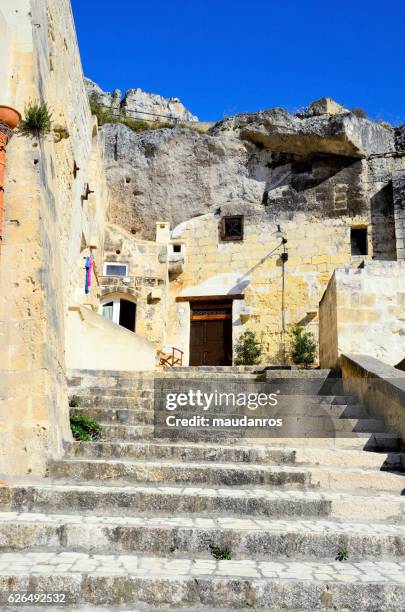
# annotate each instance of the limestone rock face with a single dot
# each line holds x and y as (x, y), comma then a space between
(139, 104)
(338, 134)
(282, 164)
(400, 138)
(106, 98)
(174, 175)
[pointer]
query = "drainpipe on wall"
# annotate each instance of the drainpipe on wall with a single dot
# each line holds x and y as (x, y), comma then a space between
(9, 119)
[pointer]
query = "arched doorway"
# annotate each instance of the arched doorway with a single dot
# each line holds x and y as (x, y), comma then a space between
(120, 311)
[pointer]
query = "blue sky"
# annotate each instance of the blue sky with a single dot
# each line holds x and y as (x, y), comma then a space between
(222, 57)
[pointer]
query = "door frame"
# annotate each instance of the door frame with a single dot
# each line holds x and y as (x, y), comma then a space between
(208, 310)
(206, 298)
(116, 308)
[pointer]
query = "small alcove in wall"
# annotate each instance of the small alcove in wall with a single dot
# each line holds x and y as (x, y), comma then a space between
(120, 309)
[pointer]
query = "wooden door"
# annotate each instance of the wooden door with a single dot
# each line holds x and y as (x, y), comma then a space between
(211, 342)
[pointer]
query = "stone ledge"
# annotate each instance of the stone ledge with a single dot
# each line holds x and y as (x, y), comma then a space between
(380, 386)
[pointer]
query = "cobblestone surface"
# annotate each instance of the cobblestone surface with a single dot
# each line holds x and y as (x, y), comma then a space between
(73, 562)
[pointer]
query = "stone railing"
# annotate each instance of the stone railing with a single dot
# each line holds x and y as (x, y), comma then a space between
(380, 386)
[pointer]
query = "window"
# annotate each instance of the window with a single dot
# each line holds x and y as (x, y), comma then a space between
(115, 269)
(232, 228)
(177, 248)
(120, 311)
(358, 239)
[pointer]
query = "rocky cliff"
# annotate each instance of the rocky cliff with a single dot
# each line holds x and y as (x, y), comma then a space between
(284, 163)
(139, 104)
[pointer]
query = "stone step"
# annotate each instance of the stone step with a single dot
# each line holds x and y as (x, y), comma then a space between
(287, 371)
(253, 538)
(313, 405)
(101, 382)
(238, 454)
(227, 474)
(292, 426)
(158, 582)
(125, 433)
(112, 392)
(115, 402)
(84, 373)
(152, 500)
(379, 442)
(116, 416)
(142, 415)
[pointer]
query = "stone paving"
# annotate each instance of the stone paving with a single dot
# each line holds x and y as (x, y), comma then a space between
(240, 524)
(73, 562)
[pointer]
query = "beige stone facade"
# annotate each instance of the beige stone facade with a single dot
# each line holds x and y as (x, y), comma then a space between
(252, 267)
(363, 311)
(49, 228)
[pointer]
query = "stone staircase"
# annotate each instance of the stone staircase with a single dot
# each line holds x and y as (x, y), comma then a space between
(130, 521)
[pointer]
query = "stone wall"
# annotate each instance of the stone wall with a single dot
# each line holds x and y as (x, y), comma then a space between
(146, 282)
(253, 267)
(379, 386)
(368, 305)
(49, 228)
(328, 330)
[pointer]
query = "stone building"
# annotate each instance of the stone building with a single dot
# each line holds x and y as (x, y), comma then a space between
(115, 245)
(196, 234)
(265, 207)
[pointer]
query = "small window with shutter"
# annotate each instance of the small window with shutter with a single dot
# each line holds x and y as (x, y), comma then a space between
(232, 228)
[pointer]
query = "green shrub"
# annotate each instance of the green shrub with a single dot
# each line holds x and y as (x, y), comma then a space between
(84, 429)
(342, 554)
(37, 119)
(303, 346)
(248, 349)
(136, 125)
(220, 553)
(74, 401)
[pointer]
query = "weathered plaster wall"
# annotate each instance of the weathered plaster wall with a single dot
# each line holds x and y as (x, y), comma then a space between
(99, 344)
(369, 307)
(48, 229)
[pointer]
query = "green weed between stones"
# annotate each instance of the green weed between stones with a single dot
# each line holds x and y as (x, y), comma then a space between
(84, 429)
(342, 554)
(220, 553)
